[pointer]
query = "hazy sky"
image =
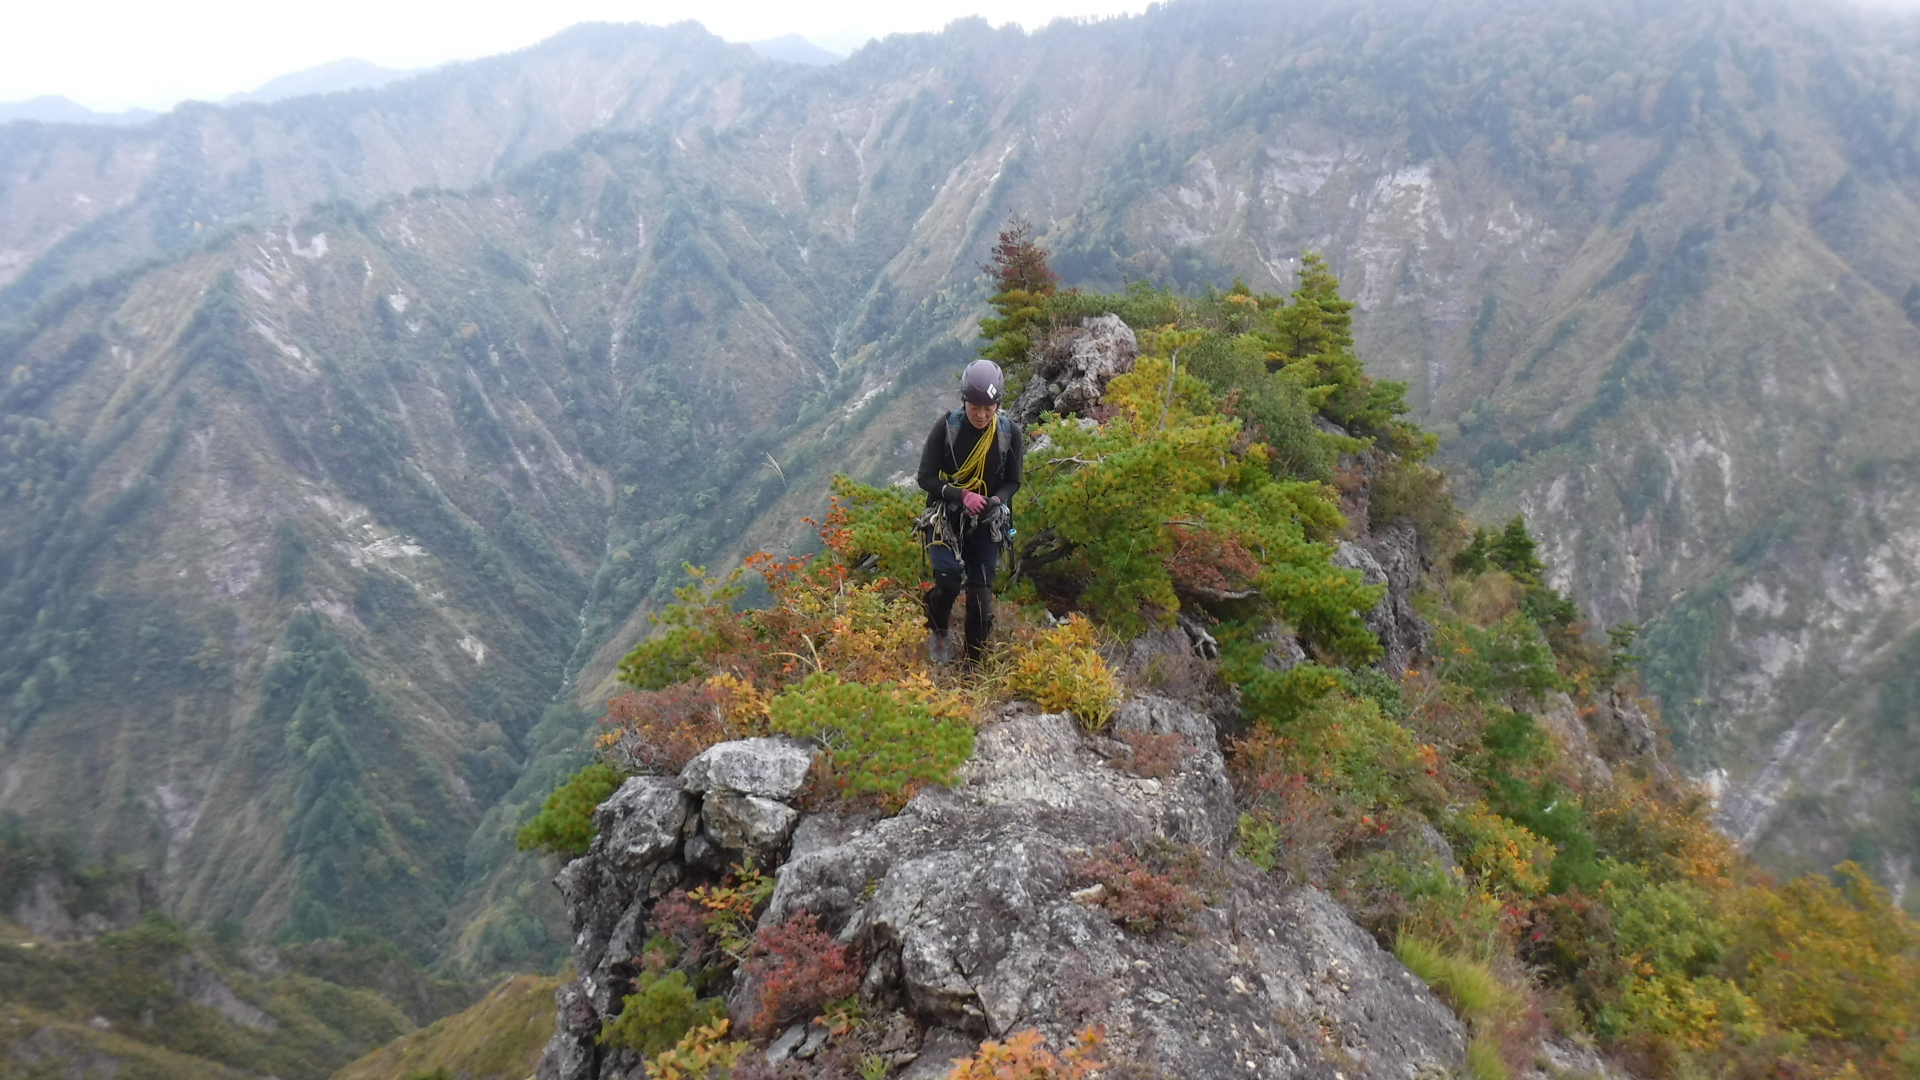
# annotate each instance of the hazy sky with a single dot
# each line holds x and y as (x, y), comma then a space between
(117, 54)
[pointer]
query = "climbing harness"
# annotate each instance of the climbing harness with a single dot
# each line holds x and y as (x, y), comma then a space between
(935, 527)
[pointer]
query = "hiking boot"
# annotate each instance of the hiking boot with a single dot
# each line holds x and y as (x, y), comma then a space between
(939, 648)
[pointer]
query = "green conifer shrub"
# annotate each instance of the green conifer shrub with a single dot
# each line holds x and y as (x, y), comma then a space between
(878, 742)
(691, 632)
(564, 826)
(1023, 283)
(660, 1011)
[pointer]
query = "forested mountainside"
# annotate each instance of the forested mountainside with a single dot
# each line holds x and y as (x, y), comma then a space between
(77, 201)
(323, 526)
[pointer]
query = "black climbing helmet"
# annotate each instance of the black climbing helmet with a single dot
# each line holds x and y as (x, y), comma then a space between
(981, 383)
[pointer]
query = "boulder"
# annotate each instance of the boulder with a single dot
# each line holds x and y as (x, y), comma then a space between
(747, 822)
(639, 825)
(573, 1051)
(1626, 733)
(1284, 651)
(1561, 719)
(1391, 557)
(768, 768)
(965, 904)
(1072, 366)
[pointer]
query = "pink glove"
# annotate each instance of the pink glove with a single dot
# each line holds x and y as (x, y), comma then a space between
(973, 501)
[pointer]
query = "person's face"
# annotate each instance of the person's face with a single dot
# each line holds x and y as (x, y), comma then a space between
(980, 415)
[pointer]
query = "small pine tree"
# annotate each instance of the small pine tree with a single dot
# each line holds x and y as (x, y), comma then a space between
(878, 741)
(1318, 323)
(1514, 551)
(1310, 342)
(1023, 282)
(659, 1013)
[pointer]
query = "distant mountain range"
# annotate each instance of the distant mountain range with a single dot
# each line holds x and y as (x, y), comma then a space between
(349, 439)
(795, 50)
(333, 77)
(347, 74)
(53, 109)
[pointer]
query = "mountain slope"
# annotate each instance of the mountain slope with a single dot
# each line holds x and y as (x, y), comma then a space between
(320, 536)
(76, 202)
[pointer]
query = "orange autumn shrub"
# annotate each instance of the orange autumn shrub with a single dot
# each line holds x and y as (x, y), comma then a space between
(1024, 1056)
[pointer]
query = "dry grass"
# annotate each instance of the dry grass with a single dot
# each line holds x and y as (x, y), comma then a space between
(499, 1038)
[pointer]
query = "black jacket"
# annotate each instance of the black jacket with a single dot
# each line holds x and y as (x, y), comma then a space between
(1003, 477)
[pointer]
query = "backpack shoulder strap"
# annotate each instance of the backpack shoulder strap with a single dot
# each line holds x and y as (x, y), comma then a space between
(1005, 440)
(953, 430)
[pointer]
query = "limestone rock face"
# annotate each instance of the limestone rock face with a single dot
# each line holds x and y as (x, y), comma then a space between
(746, 822)
(975, 924)
(640, 824)
(1390, 556)
(1626, 733)
(1072, 367)
(46, 907)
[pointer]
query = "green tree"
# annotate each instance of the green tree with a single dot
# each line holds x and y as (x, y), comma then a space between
(1310, 343)
(1514, 550)
(660, 1011)
(1023, 283)
(1108, 503)
(878, 741)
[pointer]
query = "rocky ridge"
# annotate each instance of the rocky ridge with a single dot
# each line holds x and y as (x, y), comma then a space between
(974, 924)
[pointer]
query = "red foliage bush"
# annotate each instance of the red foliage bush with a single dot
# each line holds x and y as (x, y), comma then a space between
(1209, 564)
(679, 919)
(1154, 756)
(1145, 895)
(659, 731)
(1309, 828)
(795, 968)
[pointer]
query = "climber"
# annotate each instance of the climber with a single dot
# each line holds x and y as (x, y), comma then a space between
(969, 469)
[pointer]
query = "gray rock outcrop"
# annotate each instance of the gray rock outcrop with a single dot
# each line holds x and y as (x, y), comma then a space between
(972, 912)
(50, 906)
(768, 768)
(1072, 366)
(1390, 556)
(1627, 734)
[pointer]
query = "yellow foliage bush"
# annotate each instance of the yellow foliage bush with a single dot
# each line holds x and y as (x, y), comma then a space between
(1062, 669)
(1508, 857)
(704, 1053)
(1835, 960)
(1695, 1012)
(1024, 1056)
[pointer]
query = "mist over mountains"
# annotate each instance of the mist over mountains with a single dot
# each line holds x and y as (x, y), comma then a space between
(347, 440)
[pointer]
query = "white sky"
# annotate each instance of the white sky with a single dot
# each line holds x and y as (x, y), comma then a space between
(117, 54)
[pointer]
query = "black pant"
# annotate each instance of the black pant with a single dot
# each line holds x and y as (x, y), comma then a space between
(974, 564)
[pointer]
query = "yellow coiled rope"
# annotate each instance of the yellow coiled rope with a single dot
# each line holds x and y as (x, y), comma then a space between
(972, 473)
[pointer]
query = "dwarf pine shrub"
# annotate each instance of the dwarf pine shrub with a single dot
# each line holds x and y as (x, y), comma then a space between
(659, 1013)
(878, 741)
(564, 825)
